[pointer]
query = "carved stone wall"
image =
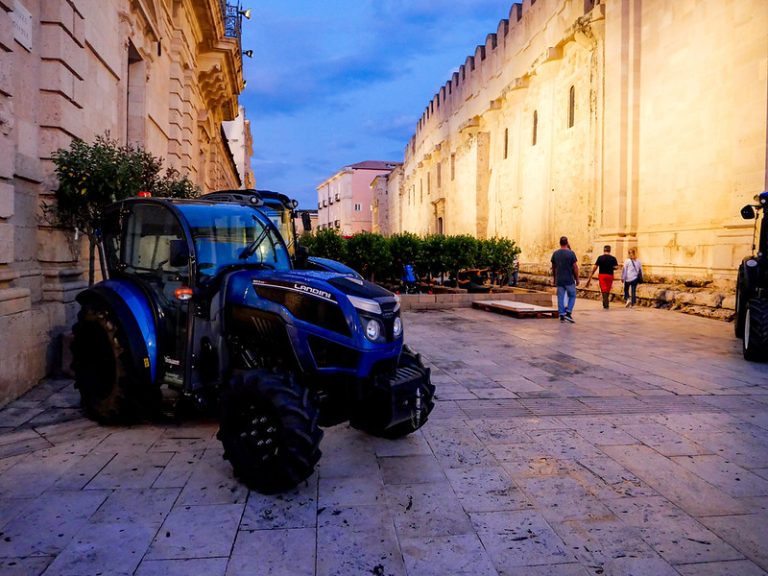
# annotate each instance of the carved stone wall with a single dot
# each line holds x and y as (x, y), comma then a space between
(635, 123)
(160, 73)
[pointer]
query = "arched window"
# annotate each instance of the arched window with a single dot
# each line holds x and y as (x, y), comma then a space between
(535, 127)
(571, 106)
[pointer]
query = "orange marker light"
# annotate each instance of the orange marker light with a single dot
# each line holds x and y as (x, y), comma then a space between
(183, 294)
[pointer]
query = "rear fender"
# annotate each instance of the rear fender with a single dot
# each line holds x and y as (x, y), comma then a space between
(133, 312)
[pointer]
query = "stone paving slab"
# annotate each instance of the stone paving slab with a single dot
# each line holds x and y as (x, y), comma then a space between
(632, 442)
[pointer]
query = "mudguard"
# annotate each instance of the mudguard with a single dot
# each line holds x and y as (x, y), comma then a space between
(133, 311)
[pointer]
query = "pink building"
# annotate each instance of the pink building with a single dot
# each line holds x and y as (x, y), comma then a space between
(344, 200)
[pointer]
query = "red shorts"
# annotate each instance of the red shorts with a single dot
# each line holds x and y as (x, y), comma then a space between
(606, 281)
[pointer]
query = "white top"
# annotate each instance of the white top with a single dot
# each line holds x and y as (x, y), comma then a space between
(631, 270)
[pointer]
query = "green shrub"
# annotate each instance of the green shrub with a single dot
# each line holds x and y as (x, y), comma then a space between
(460, 252)
(497, 254)
(327, 244)
(380, 258)
(405, 248)
(370, 255)
(434, 259)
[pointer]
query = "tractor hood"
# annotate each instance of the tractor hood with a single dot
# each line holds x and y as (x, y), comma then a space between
(321, 284)
(309, 288)
(341, 322)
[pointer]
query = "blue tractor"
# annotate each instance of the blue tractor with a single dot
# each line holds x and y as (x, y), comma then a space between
(201, 303)
(751, 321)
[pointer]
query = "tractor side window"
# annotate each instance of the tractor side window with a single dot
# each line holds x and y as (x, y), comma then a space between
(110, 235)
(149, 232)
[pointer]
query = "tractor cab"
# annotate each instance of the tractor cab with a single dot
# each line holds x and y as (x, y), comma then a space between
(172, 251)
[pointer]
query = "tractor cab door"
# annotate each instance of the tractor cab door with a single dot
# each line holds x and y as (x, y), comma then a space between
(156, 251)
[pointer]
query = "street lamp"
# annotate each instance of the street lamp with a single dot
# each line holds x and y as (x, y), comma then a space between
(248, 53)
(245, 13)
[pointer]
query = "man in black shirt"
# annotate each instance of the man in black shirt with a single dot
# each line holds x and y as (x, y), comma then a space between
(605, 265)
(565, 275)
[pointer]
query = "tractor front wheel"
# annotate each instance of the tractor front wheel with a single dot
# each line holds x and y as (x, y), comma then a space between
(269, 430)
(755, 343)
(109, 392)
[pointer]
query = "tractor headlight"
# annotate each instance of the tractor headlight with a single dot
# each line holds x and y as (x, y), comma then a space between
(397, 327)
(372, 329)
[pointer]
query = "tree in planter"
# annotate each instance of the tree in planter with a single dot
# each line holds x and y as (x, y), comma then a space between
(91, 176)
(433, 256)
(174, 184)
(369, 254)
(325, 244)
(405, 248)
(498, 254)
(460, 253)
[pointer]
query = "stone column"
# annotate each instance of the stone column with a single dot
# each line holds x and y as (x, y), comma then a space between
(16, 283)
(620, 152)
(62, 94)
(483, 183)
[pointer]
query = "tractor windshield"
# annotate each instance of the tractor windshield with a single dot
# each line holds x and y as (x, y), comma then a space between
(232, 235)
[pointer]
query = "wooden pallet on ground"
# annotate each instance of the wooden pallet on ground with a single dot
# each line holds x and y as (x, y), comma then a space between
(516, 309)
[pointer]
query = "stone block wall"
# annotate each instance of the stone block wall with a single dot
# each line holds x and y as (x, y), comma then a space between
(637, 124)
(159, 76)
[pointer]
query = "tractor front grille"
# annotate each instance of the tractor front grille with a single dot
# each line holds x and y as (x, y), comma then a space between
(328, 354)
(307, 308)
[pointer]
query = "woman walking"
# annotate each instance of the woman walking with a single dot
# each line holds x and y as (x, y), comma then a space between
(631, 275)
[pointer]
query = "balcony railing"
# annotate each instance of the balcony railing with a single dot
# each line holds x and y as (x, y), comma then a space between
(233, 19)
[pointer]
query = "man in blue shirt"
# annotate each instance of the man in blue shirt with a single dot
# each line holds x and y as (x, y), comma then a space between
(565, 275)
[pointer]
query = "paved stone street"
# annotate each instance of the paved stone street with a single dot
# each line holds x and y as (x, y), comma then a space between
(632, 442)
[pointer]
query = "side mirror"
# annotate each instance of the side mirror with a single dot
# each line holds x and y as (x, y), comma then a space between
(748, 212)
(179, 253)
(301, 254)
(306, 220)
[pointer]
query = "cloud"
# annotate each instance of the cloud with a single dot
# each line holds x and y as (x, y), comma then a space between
(311, 60)
(332, 84)
(311, 81)
(398, 128)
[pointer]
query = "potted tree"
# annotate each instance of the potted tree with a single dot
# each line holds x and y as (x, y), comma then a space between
(91, 176)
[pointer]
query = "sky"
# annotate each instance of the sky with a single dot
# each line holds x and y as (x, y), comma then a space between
(336, 82)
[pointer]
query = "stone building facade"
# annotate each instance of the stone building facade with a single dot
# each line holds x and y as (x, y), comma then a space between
(345, 200)
(240, 142)
(164, 74)
(636, 123)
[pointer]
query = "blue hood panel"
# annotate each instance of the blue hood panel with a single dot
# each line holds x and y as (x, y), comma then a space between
(267, 290)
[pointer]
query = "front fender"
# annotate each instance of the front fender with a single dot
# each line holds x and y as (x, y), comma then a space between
(133, 312)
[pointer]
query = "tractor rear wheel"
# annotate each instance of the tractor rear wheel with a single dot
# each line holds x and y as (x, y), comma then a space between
(269, 430)
(109, 391)
(755, 343)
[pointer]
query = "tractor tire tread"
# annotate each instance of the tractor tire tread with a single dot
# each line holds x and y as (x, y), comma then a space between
(757, 349)
(299, 431)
